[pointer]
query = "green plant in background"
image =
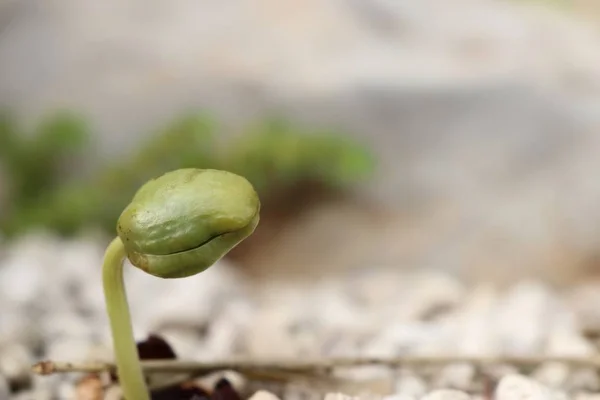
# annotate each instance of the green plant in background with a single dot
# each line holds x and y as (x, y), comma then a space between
(69, 207)
(209, 213)
(271, 154)
(274, 152)
(31, 161)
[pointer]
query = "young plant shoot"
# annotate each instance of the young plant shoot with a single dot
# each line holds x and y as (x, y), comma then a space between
(176, 225)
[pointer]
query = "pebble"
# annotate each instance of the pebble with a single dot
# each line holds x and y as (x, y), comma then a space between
(270, 335)
(587, 396)
(432, 292)
(223, 336)
(264, 395)
(456, 376)
(583, 300)
(4, 388)
(46, 386)
(340, 396)
(518, 387)
(554, 375)
(523, 318)
(410, 384)
(21, 269)
(68, 391)
(37, 394)
(565, 338)
(375, 287)
(472, 321)
(447, 394)
(33, 259)
(401, 396)
(72, 349)
(237, 380)
(302, 391)
(112, 393)
(89, 388)
(585, 379)
(497, 372)
(17, 328)
(183, 340)
(66, 324)
(156, 303)
(15, 363)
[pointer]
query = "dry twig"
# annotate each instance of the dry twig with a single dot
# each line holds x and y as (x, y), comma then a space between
(313, 366)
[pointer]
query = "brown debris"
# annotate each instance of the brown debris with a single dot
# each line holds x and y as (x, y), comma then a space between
(157, 348)
(90, 387)
(44, 368)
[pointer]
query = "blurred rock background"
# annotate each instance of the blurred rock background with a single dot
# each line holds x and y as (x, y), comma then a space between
(411, 156)
(482, 116)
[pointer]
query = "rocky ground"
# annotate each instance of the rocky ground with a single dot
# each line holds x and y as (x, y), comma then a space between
(52, 307)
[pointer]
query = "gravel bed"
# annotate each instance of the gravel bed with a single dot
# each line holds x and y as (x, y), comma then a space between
(52, 307)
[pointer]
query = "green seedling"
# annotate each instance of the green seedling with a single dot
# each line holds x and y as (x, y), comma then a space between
(176, 226)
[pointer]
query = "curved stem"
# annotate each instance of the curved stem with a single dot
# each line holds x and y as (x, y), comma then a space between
(127, 358)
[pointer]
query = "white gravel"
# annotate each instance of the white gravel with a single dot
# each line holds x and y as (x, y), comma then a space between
(51, 307)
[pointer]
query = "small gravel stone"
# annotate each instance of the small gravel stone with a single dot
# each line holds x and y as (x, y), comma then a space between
(27, 260)
(447, 394)
(46, 386)
(497, 372)
(410, 384)
(237, 381)
(202, 296)
(433, 292)
(263, 395)
(523, 318)
(20, 270)
(4, 388)
(401, 396)
(583, 300)
(587, 396)
(270, 336)
(61, 324)
(398, 338)
(553, 375)
(24, 395)
(89, 388)
(566, 339)
(16, 327)
(300, 391)
(224, 333)
(457, 376)
(518, 387)
(37, 394)
(113, 393)
(15, 363)
(72, 349)
(183, 340)
(67, 391)
(584, 379)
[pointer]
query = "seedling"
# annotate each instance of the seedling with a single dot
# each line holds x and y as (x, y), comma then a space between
(176, 226)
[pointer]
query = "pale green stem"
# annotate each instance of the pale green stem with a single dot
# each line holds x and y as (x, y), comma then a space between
(127, 359)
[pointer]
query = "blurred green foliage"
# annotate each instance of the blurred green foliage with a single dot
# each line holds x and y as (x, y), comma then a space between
(31, 161)
(271, 154)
